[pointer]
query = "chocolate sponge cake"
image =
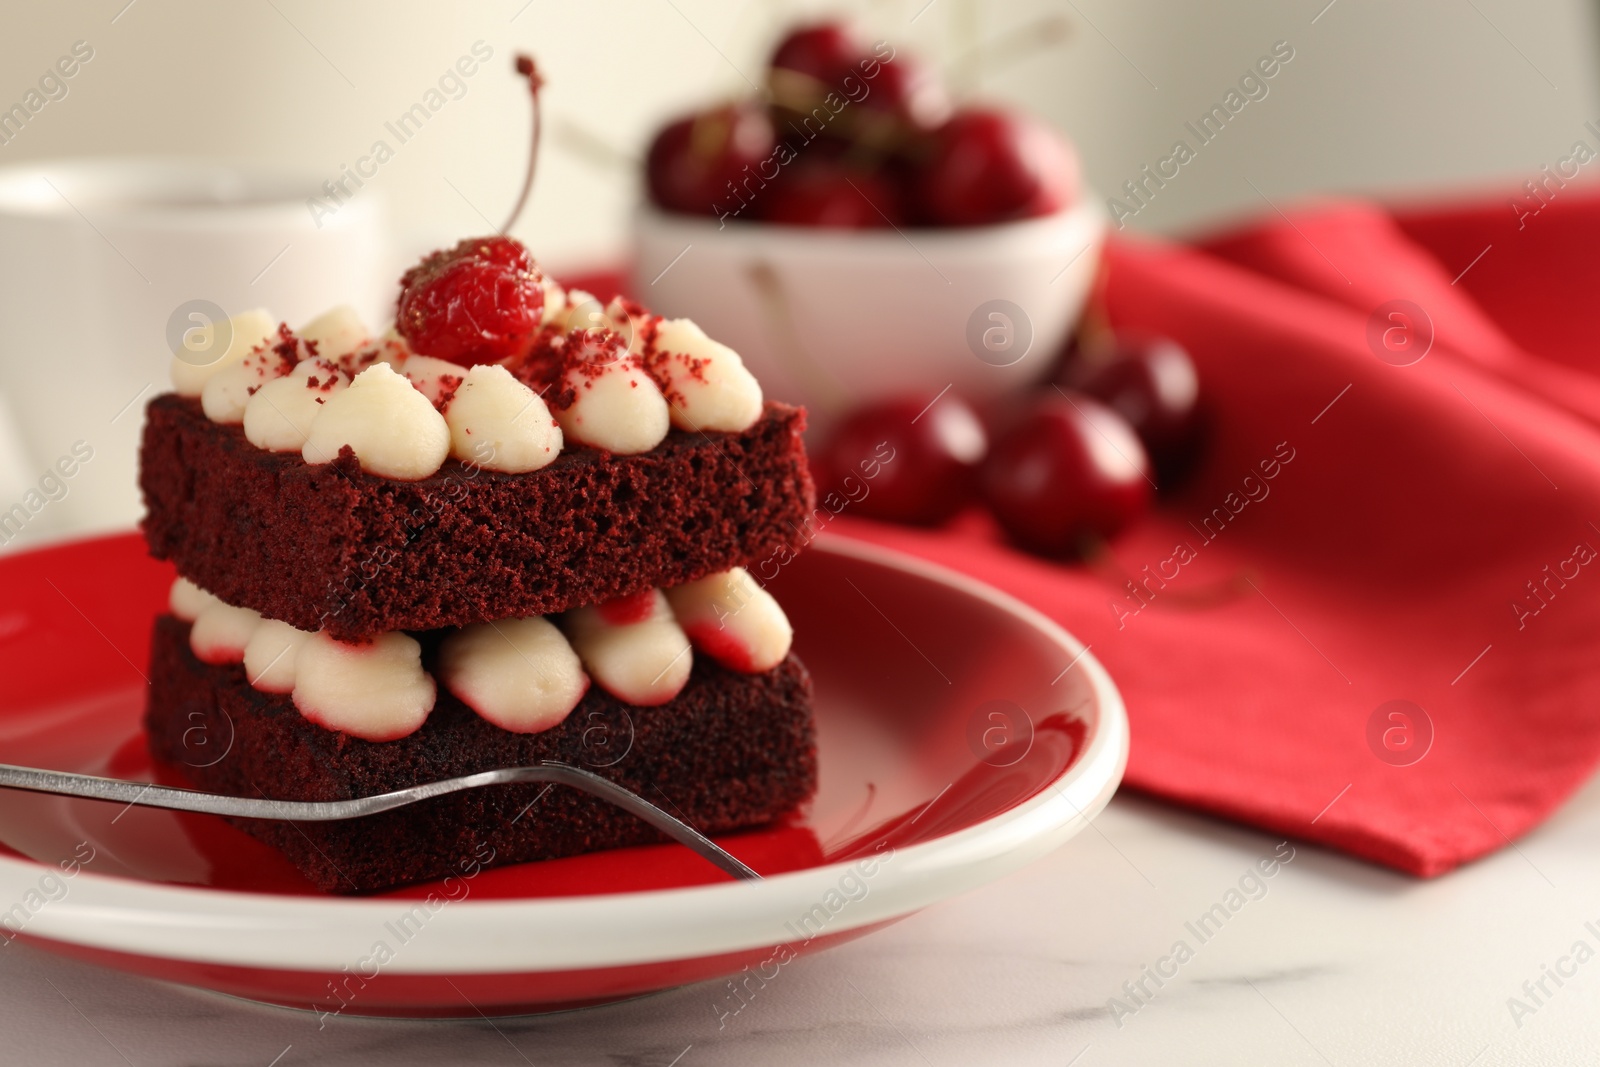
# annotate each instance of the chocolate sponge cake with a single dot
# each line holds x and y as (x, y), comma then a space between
(464, 546)
(329, 546)
(730, 750)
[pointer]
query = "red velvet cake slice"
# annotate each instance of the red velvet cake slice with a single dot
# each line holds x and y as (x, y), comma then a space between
(458, 547)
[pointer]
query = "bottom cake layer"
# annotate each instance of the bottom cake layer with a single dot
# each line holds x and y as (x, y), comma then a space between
(731, 751)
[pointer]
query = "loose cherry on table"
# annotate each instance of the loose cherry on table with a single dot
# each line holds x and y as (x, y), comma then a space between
(1071, 475)
(987, 165)
(905, 460)
(692, 161)
(1151, 382)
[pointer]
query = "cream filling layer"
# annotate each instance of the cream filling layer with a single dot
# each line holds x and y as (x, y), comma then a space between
(522, 675)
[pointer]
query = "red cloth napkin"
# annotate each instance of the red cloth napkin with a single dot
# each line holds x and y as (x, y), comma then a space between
(1388, 555)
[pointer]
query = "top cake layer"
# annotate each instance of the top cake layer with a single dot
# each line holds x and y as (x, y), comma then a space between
(332, 547)
(510, 449)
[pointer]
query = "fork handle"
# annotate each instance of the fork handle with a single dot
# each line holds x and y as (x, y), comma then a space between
(149, 795)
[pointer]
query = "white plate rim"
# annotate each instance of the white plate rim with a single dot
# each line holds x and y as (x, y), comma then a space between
(274, 932)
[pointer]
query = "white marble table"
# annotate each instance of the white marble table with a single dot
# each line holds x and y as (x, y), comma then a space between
(1335, 963)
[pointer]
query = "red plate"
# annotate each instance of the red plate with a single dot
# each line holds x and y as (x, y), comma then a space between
(961, 735)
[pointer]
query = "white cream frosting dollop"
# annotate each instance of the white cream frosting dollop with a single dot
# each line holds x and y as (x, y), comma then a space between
(583, 311)
(391, 349)
(187, 600)
(733, 620)
(278, 418)
(377, 691)
(617, 406)
(269, 656)
(336, 332)
(555, 301)
(245, 332)
(390, 426)
(519, 674)
(229, 391)
(708, 383)
(579, 311)
(630, 325)
(221, 632)
(374, 394)
(498, 423)
(645, 663)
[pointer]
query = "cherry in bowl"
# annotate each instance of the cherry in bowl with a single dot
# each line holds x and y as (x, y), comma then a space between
(1070, 475)
(700, 164)
(988, 165)
(904, 99)
(822, 52)
(828, 193)
(912, 460)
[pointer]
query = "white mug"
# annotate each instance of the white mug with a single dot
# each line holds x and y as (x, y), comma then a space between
(104, 262)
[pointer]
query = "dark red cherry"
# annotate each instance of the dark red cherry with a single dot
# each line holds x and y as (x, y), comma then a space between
(907, 92)
(478, 302)
(824, 52)
(829, 194)
(988, 165)
(1151, 382)
(904, 460)
(1069, 476)
(693, 160)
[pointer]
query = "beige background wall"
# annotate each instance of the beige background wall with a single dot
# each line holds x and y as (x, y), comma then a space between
(1380, 96)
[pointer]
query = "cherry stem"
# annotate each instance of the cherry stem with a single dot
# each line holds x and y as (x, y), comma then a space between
(1097, 338)
(526, 67)
(1014, 47)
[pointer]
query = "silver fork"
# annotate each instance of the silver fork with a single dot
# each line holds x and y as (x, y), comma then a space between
(145, 794)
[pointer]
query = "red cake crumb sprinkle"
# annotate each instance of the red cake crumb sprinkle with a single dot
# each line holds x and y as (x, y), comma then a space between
(353, 363)
(288, 346)
(657, 362)
(591, 351)
(541, 367)
(324, 383)
(277, 358)
(448, 384)
(555, 358)
(627, 610)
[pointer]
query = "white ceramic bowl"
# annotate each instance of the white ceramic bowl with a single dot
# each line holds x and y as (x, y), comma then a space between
(833, 319)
